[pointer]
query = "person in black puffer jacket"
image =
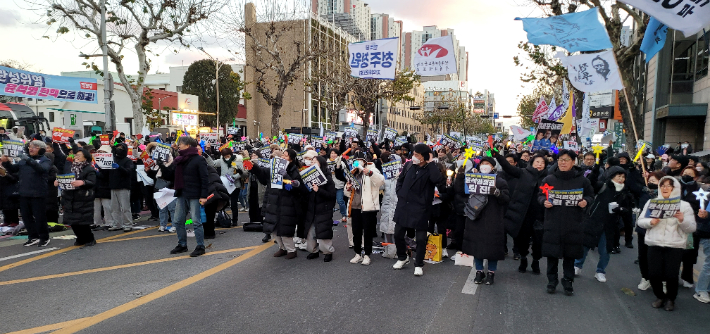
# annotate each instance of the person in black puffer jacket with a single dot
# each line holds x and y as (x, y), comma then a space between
(319, 214)
(119, 182)
(9, 197)
(52, 207)
(524, 215)
(33, 173)
(218, 201)
(600, 224)
(634, 183)
(689, 185)
(281, 206)
(78, 203)
(102, 196)
(563, 232)
(702, 233)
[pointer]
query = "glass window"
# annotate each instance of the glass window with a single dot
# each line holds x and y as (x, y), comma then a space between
(683, 67)
(51, 116)
(701, 65)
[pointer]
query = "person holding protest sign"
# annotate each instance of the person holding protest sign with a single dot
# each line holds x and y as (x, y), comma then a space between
(484, 234)
(666, 239)
(339, 184)
(565, 195)
(120, 185)
(524, 215)
(389, 200)
(33, 173)
(415, 192)
(78, 202)
(319, 213)
(363, 188)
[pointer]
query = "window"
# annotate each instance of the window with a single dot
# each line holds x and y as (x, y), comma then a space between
(51, 116)
(701, 61)
(41, 114)
(683, 63)
(178, 89)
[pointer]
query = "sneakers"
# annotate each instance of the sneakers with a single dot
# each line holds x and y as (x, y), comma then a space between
(357, 259)
(162, 229)
(644, 285)
(577, 271)
(400, 263)
(301, 246)
(172, 230)
(190, 233)
(479, 277)
(444, 253)
(418, 271)
(31, 242)
(366, 260)
(43, 243)
(199, 250)
(115, 228)
(179, 249)
(490, 278)
(266, 238)
(702, 297)
(127, 229)
(600, 277)
(687, 284)
(658, 303)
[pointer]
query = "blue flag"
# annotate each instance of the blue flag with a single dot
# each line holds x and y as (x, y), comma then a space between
(575, 32)
(654, 38)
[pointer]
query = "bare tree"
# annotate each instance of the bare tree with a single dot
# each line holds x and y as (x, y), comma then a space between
(367, 92)
(139, 25)
(547, 70)
(330, 84)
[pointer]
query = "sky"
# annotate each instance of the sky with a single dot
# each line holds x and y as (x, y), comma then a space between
(486, 28)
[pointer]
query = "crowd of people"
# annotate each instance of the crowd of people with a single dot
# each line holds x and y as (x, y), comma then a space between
(555, 205)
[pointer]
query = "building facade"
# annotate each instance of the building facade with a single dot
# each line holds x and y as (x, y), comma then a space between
(353, 16)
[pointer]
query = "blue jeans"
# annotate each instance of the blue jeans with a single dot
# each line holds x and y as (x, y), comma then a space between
(492, 264)
(704, 276)
(341, 202)
(182, 205)
(167, 212)
(603, 256)
(243, 198)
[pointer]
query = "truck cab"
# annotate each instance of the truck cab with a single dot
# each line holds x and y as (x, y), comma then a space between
(19, 115)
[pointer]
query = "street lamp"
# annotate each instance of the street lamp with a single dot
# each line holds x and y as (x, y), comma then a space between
(217, 66)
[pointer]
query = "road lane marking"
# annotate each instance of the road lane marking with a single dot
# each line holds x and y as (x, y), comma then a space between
(122, 266)
(160, 293)
(470, 288)
(160, 235)
(48, 328)
(27, 254)
(63, 250)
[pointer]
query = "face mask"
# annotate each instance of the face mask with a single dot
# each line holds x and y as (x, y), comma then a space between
(309, 162)
(699, 169)
(687, 178)
(652, 186)
(415, 160)
(485, 169)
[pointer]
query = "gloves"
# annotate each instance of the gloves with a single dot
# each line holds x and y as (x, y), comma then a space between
(24, 156)
(295, 183)
(496, 192)
(287, 186)
(114, 166)
(248, 165)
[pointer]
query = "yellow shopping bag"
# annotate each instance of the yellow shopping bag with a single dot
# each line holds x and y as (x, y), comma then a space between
(433, 248)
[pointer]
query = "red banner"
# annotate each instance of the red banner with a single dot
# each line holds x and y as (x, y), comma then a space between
(60, 135)
(540, 110)
(104, 140)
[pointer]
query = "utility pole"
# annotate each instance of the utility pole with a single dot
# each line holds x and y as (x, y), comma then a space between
(110, 125)
(217, 66)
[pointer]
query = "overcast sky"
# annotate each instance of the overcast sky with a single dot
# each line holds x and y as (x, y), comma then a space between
(485, 28)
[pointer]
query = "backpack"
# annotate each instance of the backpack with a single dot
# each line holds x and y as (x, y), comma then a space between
(475, 205)
(223, 219)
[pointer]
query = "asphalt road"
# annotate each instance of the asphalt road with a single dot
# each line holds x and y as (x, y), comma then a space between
(129, 283)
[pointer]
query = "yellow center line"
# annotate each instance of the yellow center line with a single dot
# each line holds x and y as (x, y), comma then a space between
(159, 235)
(75, 327)
(48, 328)
(122, 266)
(63, 250)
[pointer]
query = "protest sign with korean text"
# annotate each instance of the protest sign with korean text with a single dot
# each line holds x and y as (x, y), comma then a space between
(374, 59)
(61, 136)
(391, 169)
(479, 184)
(263, 163)
(147, 161)
(399, 141)
(435, 57)
(265, 152)
(548, 133)
(212, 138)
(662, 208)
(65, 181)
(688, 16)
(351, 178)
(313, 175)
(161, 152)
(389, 133)
(351, 132)
(295, 138)
(12, 148)
(278, 169)
(14, 82)
(371, 135)
(450, 142)
(104, 140)
(570, 197)
(571, 145)
(317, 142)
(103, 160)
(593, 72)
(238, 146)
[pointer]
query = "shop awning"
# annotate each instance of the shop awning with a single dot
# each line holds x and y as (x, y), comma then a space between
(682, 110)
(82, 111)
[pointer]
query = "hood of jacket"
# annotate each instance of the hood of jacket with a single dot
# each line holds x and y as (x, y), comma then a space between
(676, 187)
(120, 153)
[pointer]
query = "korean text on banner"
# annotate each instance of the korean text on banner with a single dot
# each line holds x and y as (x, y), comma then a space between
(103, 160)
(662, 208)
(14, 82)
(12, 148)
(570, 197)
(161, 152)
(278, 169)
(212, 138)
(436, 57)
(689, 16)
(575, 32)
(391, 169)
(65, 181)
(374, 59)
(62, 136)
(104, 140)
(389, 133)
(313, 176)
(480, 184)
(593, 72)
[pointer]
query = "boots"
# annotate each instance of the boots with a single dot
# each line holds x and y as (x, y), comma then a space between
(552, 286)
(567, 285)
(535, 266)
(523, 265)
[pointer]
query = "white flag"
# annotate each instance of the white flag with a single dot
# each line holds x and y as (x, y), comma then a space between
(374, 59)
(436, 57)
(519, 134)
(688, 16)
(592, 72)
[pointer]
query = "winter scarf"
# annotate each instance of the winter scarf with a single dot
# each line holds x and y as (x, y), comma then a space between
(229, 162)
(77, 167)
(180, 162)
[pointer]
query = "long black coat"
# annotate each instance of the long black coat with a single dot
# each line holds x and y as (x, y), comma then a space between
(460, 197)
(33, 175)
(195, 177)
(120, 178)
(523, 209)
(563, 230)
(216, 188)
(484, 238)
(9, 192)
(599, 221)
(78, 204)
(319, 209)
(415, 193)
(281, 209)
(101, 188)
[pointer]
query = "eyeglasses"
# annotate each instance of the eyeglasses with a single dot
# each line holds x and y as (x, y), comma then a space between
(564, 160)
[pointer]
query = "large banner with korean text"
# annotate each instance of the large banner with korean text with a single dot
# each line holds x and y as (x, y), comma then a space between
(20, 83)
(374, 59)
